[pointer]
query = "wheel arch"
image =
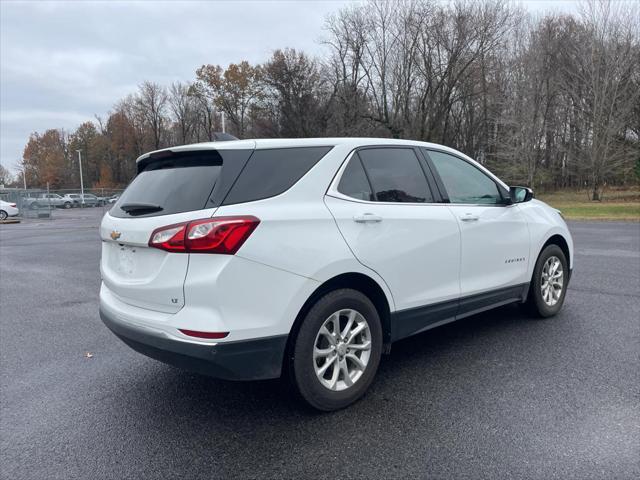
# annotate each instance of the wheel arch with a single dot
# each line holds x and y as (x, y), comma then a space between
(561, 242)
(355, 281)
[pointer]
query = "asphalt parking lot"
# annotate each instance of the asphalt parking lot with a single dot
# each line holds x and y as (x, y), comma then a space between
(493, 396)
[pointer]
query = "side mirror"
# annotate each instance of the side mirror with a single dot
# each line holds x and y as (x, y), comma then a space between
(520, 194)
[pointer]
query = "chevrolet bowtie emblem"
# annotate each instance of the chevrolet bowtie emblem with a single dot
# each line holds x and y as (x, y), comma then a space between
(115, 235)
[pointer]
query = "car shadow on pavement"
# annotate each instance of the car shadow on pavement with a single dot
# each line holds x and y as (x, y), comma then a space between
(425, 394)
(412, 360)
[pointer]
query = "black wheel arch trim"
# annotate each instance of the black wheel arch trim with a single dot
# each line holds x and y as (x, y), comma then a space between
(560, 241)
(355, 281)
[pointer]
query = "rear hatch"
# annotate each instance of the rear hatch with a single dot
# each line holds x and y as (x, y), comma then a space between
(170, 187)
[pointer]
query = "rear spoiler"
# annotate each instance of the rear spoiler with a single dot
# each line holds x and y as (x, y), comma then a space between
(142, 162)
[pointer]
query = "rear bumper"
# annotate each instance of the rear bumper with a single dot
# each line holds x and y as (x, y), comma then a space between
(11, 211)
(256, 359)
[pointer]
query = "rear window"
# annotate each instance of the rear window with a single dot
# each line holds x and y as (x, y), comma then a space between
(179, 183)
(396, 175)
(273, 171)
(354, 182)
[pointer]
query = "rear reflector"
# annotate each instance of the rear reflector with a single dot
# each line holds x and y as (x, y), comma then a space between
(224, 235)
(193, 333)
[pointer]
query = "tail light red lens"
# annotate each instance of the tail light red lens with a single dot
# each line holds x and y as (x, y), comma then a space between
(223, 235)
(13, 205)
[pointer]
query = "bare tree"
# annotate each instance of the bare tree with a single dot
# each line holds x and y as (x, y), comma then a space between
(151, 104)
(350, 108)
(183, 109)
(601, 67)
(550, 101)
(529, 108)
(5, 176)
(205, 113)
(293, 83)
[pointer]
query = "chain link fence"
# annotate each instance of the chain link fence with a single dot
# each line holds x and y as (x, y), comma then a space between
(49, 204)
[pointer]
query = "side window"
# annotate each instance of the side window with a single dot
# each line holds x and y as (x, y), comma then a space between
(396, 175)
(270, 172)
(353, 182)
(464, 182)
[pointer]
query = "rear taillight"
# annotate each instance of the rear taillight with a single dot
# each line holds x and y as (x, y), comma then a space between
(13, 205)
(223, 235)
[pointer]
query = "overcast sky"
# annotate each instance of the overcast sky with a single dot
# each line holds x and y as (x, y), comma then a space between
(63, 62)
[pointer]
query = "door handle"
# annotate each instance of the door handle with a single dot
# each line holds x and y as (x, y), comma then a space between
(470, 217)
(367, 218)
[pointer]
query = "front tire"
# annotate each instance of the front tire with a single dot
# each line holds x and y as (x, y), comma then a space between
(337, 350)
(549, 283)
(67, 205)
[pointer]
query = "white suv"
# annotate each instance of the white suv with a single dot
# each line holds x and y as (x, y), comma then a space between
(247, 259)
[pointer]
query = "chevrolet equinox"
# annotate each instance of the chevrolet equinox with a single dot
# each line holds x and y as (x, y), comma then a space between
(308, 258)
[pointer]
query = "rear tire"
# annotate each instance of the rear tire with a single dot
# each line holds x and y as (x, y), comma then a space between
(549, 283)
(337, 350)
(3, 215)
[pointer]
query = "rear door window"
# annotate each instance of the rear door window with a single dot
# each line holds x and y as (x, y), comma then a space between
(179, 183)
(271, 172)
(396, 175)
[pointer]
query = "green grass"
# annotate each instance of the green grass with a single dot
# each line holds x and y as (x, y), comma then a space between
(623, 205)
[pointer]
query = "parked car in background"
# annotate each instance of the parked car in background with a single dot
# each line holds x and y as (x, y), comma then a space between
(90, 200)
(113, 199)
(76, 200)
(44, 200)
(71, 200)
(246, 259)
(8, 209)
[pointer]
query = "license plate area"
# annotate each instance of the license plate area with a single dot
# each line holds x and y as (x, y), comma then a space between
(126, 263)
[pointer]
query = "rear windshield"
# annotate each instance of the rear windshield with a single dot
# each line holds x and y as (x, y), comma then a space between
(173, 185)
(188, 181)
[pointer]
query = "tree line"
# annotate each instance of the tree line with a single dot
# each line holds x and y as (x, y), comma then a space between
(550, 101)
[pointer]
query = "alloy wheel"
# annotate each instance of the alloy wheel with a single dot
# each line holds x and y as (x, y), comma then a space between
(342, 349)
(552, 281)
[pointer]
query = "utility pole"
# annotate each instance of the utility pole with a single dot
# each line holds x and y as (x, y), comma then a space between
(222, 118)
(81, 184)
(24, 177)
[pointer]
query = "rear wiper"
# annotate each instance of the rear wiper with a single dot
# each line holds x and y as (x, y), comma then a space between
(140, 208)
